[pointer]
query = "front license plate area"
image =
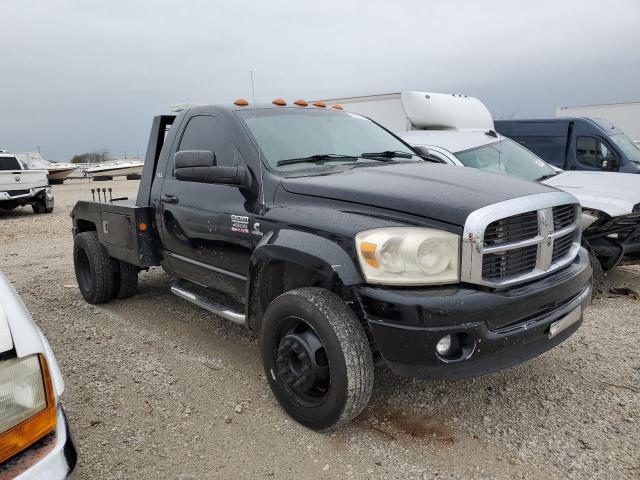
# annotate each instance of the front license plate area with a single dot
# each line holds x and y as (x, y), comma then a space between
(562, 324)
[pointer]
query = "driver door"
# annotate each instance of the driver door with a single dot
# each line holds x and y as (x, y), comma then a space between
(206, 225)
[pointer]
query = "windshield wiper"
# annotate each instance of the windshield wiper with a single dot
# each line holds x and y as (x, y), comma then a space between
(316, 159)
(544, 177)
(388, 154)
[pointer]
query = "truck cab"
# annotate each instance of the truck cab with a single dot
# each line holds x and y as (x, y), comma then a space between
(340, 246)
(591, 144)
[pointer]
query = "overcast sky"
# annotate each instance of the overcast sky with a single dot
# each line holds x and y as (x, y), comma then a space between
(79, 75)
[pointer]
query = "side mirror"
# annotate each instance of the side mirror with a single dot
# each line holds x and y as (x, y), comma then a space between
(421, 150)
(200, 166)
(194, 158)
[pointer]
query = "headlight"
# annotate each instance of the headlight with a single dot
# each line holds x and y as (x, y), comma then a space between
(409, 256)
(27, 403)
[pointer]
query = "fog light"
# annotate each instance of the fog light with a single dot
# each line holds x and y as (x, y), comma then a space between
(443, 345)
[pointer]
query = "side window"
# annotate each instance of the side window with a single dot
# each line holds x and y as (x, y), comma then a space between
(9, 163)
(205, 132)
(550, 148)
(595, 153)
(586, 148)
(607, 158)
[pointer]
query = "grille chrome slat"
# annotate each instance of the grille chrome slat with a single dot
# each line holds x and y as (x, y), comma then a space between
(521, 239)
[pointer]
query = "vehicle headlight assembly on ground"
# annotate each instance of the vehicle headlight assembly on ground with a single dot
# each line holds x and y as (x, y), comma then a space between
(409, 256)
(27, 403)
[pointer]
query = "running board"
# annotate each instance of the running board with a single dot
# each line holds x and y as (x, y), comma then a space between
(204, 302)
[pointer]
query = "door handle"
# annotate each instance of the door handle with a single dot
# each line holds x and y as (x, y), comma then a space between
(169, 198)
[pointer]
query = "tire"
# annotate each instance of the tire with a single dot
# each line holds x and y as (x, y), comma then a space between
(598, 274)
(38, 207)
(93, 267)
(125, 279)
(303, 317)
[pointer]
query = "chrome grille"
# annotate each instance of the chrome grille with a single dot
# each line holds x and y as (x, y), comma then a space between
(512, 229)
(563, 216)
(520, 239)
(561, 246)
(511, 262)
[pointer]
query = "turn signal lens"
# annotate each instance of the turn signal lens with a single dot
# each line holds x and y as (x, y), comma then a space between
(368, 252)
(27, 403)
(241, 102)
(142, 227)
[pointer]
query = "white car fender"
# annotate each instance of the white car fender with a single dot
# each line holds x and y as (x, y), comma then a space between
(26, 337)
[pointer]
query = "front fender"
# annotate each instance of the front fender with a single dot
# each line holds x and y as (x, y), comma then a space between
(329, 261)
(327, 256)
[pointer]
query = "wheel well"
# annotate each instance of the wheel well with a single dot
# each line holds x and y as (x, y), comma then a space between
(274, 277)
(85, 226)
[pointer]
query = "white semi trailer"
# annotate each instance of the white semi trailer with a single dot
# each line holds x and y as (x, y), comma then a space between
(404, 111)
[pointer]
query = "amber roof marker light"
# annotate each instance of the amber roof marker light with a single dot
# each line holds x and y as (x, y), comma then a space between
(279, 102)
(241, 102)
(301, 103)
(319, 104)
(337, 106)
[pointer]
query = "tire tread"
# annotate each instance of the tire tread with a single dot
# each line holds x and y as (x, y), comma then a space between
(355, 347)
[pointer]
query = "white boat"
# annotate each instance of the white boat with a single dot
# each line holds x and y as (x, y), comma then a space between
(57, 172)
(115, 169)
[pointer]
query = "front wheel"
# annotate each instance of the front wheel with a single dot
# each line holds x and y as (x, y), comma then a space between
(317, 358)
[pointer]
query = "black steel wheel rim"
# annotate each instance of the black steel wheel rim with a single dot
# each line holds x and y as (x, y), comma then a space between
(302, 363)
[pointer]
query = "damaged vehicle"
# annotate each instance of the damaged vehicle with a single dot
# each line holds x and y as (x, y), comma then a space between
(20, 186)
(610, 202)
(340, 246)
(35, 441)
(459, 130)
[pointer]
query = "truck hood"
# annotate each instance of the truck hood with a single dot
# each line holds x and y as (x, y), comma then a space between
(613, 193)
(440, 192)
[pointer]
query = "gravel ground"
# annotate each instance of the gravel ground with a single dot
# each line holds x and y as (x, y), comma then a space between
(157, 388)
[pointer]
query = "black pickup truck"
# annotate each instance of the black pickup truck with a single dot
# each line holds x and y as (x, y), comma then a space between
(341, 247)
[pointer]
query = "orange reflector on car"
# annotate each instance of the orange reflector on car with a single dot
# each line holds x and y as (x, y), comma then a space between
(336, 106)
(301, 103)
(280, 102)
(241, 102)
(142, 227)
(368, 251)
(319, 104)
(34, 428)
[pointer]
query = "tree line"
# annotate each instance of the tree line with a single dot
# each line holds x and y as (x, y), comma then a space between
(97, 156)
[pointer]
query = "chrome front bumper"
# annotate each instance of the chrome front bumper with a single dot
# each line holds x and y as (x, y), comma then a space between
(50, 458)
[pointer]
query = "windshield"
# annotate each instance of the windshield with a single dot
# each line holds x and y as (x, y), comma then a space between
(340, 138)
(631, 151)
(508, 158)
